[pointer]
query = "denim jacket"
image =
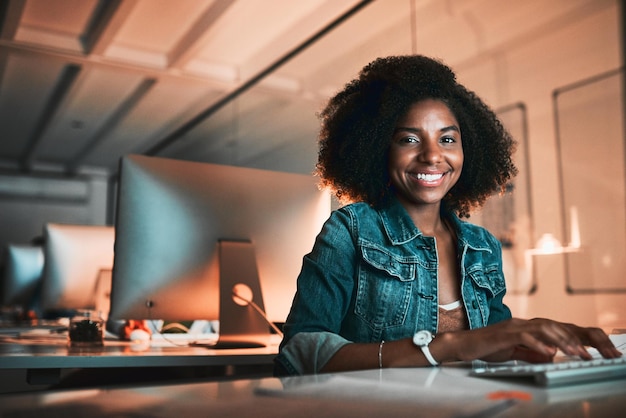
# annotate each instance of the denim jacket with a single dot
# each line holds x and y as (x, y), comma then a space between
(372, 276)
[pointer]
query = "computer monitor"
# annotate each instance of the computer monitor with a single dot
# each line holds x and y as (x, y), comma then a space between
(21, 278)
(74, 256)
(188, 233)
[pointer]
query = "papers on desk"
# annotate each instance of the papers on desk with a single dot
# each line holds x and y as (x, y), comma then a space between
(182, 339)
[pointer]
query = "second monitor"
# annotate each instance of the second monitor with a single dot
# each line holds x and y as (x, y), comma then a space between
(74, 258)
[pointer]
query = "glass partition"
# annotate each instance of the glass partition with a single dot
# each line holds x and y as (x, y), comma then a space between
(590, 138)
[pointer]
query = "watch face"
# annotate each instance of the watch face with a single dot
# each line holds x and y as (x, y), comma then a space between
(422, 338)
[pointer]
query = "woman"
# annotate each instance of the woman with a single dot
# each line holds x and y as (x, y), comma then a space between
(395, 277)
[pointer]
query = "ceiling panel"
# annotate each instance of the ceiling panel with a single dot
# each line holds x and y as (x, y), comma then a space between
(55, 23)
(94, 98)
(32, 81)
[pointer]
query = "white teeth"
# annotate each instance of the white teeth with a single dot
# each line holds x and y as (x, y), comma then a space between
(429, 177)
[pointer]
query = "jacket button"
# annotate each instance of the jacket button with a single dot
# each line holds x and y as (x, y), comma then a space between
(474, 304)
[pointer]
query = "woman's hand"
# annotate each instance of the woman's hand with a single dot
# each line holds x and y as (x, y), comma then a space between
(535, 340)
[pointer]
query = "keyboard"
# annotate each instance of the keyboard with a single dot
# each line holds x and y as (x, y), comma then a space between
(557, 374)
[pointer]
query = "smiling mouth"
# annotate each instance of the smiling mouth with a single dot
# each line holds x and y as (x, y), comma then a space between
(428, 177)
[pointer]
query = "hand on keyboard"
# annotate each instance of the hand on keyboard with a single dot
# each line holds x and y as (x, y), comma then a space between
(535, 341)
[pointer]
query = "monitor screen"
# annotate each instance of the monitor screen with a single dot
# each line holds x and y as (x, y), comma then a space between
(74, 256)
(180, 225)
(23, 266)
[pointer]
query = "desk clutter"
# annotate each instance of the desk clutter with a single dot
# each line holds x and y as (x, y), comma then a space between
(44, 359)
(213, 273)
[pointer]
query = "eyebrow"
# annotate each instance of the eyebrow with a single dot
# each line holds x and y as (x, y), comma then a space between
(418, 130)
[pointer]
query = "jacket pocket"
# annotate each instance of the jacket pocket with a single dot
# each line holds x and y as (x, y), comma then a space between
(385, 283)
(488, 278)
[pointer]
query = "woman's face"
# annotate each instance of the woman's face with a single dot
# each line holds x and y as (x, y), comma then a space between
(426, 154)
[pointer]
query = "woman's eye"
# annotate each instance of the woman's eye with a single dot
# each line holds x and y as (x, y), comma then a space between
(448, 140)
(409, 140)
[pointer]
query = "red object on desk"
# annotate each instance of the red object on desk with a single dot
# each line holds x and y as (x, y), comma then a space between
(131, 325)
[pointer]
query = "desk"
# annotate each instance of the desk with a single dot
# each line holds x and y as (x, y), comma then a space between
(445, 391)
(47, 363)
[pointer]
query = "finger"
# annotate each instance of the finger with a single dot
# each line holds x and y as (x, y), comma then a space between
(597, 338)
(563, 336)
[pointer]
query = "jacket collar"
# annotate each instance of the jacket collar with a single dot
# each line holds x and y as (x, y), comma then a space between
(400, 228)
(398, 225)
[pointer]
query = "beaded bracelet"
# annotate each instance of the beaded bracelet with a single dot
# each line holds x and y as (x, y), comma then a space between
(380, 354)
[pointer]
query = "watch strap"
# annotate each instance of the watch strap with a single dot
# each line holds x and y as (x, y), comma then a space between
(429, 356)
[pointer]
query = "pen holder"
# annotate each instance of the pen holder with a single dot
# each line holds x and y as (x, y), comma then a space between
(86, 329)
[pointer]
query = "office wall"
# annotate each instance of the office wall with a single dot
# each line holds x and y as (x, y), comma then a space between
(530, 73)
(28, 202)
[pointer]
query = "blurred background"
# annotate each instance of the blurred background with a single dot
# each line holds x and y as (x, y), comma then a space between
(240, 82)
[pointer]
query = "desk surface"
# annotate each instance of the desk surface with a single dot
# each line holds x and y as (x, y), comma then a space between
(34, 364)
(445, 391)
(30, 354)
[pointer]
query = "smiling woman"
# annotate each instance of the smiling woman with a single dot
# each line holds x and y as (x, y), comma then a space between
(425, 162)
(395, 277)
(426, 154)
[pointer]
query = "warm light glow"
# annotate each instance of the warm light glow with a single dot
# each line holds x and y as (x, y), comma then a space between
(574, 228)
(548, 244)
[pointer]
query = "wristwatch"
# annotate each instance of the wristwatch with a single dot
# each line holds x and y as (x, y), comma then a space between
(422, 339)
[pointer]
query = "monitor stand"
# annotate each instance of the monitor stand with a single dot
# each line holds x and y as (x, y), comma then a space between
(241, 325)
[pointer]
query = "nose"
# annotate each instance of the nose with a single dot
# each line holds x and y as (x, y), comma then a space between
(430, 153)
